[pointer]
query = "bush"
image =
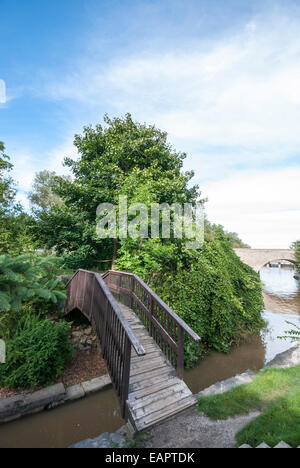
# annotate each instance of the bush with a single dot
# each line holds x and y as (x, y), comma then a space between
(27, 284)
(37, 354)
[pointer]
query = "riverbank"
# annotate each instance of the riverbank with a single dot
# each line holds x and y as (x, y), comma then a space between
(193, 429)
(24, 404)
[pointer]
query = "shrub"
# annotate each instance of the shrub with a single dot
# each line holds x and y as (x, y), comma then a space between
(27, 284)
(37, 354)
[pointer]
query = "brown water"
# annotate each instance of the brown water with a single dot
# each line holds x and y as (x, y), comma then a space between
(92, 416)
(65, 425)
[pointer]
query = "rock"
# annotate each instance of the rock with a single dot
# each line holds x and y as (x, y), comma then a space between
(83, 444)
(31, 403)
(76, 334)
(103, 441)
(96, 384)
(10, 407)
(118, 440)
(263, 445)
(106, 440)
(288, 358)
(44, 397)
(245, 446)
(225, 385)
(75, 393)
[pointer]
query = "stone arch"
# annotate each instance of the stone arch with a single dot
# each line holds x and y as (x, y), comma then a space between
(258, 258)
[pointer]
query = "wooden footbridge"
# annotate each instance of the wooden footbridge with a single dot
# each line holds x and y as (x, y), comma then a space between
(141, 340)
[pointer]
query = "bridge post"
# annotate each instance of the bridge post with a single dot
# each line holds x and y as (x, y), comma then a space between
(180, 353)
(125, 380)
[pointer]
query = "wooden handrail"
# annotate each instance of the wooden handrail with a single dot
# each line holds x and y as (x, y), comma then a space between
(163, 324)
(88, 292)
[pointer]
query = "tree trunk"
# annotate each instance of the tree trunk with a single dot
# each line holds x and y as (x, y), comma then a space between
(115, 253)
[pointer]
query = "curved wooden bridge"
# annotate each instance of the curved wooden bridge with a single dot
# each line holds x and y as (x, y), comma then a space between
(141, 340)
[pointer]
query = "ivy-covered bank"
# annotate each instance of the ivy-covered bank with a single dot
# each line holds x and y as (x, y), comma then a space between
(211, 289)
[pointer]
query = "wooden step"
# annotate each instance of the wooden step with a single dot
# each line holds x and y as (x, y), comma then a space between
(156, 405)
(144, 370)
(151, 374)
(153, 355)
(153, 389)
(169, 411)
(145, 384)
(178, 391)
(148, 360)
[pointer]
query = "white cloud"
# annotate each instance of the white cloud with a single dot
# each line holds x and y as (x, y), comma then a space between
(262, 206)
(2, 92)
(240, 90)
(231, 103)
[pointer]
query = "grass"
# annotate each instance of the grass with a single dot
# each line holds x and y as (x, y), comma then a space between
(277, 393)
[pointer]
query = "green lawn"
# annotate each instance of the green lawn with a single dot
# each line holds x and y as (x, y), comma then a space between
(277, 392)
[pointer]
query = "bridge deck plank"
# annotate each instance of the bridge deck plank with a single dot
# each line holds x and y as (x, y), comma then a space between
(155, 393)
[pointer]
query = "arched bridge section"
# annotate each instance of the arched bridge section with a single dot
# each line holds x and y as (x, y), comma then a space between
(258, 258)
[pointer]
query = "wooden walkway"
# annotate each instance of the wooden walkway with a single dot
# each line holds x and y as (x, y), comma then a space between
(155, 393)
(142, 345)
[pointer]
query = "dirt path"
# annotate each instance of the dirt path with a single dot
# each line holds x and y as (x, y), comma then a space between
(191, 429)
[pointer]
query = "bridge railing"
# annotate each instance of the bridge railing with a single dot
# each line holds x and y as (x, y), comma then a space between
(162, 323)
(88, 292)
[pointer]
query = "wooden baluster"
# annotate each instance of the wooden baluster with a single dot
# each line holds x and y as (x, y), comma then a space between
(180, 353)
(126, 374)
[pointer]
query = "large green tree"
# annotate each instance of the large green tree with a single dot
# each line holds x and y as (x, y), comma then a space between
(122, 157)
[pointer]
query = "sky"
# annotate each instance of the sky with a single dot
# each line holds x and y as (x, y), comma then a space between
(221, 77)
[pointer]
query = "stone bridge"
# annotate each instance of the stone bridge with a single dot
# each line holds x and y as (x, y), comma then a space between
(258, 258)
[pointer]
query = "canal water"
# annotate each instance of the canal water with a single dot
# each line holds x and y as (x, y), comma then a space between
(99, 413)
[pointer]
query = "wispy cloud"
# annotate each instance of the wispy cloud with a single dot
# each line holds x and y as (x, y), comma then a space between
(2, 92)
(240, 90)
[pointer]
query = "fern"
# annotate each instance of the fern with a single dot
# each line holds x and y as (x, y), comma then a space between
(27, 281)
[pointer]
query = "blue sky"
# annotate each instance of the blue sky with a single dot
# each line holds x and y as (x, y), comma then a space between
(222, 77)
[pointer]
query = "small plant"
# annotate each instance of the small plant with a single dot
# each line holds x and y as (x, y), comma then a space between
(37, 354)
(293, 334)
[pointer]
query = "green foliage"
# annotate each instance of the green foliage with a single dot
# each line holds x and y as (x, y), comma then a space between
(14, 223)
(121, 158)
(292, 334)
(37, 354)
(296, 246)
(26, 283)
(42, 197)
(212, 290)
